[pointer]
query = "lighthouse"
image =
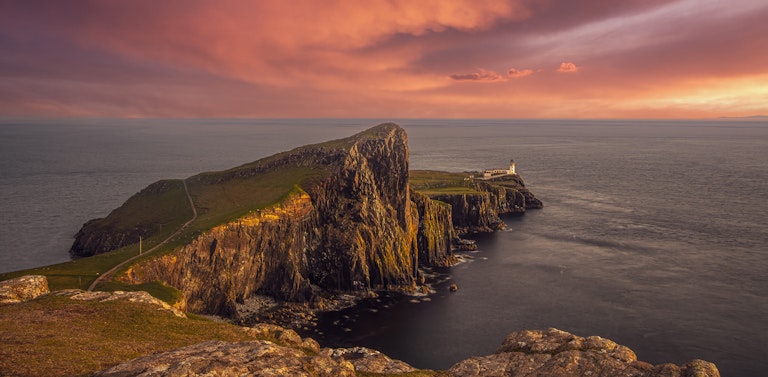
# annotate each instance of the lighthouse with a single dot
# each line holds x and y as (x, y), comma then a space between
(512, 167)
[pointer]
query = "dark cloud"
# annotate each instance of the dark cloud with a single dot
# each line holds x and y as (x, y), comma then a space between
(483, 75)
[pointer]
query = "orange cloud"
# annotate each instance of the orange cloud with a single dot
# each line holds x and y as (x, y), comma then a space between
(516, 73)
(483, 75)
(567, 67)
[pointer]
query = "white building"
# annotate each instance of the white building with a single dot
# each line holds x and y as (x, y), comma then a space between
(492, 173)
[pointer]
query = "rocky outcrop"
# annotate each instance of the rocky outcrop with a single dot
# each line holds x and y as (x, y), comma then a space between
(23, 289)
(135, 296)
(472, 213)
(551, 353)
(262, 252)
(557, 353)
(368, 360)
(217, 358)
(352, 229)
(436, 234)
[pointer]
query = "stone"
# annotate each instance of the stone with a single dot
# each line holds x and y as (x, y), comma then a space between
(453, 288)
(224, 359)
(136, 296)
(368, 360)
(285, 336)
(557, 353)
(24, 288)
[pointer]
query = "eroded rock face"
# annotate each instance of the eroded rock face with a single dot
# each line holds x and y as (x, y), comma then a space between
(217, 358)
(436, 234)
(472, 213)
(23, 288)
(353, 229)
(557, 353)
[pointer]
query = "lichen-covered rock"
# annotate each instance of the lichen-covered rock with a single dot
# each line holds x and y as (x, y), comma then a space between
(286, 336)
(472, 213)
(558, 353)
(436, 235)
(23, 288)
(136, 296)
(223, 359)
(368, 360)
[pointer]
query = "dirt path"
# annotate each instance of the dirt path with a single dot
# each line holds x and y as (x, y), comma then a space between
(107, 276)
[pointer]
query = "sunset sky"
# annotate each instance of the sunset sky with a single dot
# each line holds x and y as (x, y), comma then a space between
(388, 58)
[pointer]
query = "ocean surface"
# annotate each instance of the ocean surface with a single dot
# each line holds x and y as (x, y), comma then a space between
(653, 234)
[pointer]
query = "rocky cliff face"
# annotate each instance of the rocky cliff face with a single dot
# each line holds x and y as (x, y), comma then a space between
(261, 252)
(472, 213)
(353, 229)
(436, 234)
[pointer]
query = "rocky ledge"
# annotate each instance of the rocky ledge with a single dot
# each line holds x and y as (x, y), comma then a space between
(552, 353)
(556, 353)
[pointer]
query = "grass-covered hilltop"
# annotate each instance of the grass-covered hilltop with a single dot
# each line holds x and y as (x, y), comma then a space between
(342, 218)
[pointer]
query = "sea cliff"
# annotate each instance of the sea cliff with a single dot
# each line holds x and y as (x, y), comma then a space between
(353, 224)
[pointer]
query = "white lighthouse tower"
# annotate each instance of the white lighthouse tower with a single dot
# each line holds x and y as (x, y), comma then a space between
(512, 167)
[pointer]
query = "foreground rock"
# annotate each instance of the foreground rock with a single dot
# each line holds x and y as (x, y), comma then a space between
(23, 289)
(137, 296)
(557, 353)
(368, 360)
(217, 358)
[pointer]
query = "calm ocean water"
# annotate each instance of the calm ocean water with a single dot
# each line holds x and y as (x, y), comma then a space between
(654, 233)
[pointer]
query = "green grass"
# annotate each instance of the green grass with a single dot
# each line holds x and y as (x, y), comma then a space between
(164, 292)
(430, 182)
(56, 336)
(79, 273)
(220, 201)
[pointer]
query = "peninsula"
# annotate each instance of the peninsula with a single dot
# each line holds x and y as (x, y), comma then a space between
(345, 218)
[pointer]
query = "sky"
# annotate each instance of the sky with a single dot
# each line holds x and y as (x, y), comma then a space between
(384, 58)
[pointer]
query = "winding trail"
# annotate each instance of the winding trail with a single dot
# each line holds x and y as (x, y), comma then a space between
(107, 276)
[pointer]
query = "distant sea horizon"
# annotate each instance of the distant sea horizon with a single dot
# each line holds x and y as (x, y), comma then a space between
(653, 232)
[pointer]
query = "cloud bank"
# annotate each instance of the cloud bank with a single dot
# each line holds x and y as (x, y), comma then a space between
(390, 58)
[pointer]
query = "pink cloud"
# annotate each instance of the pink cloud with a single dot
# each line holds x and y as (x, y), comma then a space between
(518, 73)
(483, 75)
(568, 67)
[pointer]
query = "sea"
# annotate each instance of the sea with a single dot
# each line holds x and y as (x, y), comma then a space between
(654, 233)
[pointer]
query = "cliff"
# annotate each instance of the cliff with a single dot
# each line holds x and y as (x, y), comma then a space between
(351, 226)
(335, 216)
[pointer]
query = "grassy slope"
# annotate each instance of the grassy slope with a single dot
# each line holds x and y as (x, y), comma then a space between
(56, 336)
(430, 182)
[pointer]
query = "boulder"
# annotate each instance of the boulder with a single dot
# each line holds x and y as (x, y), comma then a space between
(23, 289)
(223, 359)
(136, 296)
(368, 360)
(558, 353)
